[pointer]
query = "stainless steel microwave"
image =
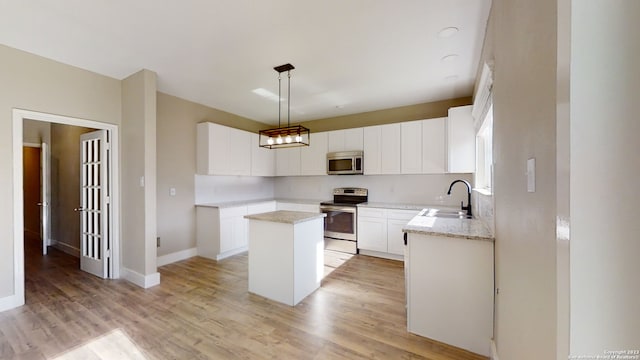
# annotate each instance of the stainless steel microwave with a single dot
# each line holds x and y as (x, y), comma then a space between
(345, 163)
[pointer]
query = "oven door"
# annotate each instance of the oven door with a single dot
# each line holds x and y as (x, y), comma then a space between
(340, 222)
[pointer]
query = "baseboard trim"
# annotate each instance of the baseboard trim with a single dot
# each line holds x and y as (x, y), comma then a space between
(494, 351)
(11, 302)
(66, 248)
(176, 256)
(143, 281)
(382, 255)
(229, 253)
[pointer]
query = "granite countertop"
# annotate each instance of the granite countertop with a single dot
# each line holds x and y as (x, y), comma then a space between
(472, 229)
(286, 216)
(228, 204)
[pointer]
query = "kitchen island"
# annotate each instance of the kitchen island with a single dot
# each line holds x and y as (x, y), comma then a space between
(286, 254)
(449, 279)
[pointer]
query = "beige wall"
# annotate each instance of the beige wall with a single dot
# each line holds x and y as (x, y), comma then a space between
(176, 151)
(524, 53)
(138, 154)
(65, 186)
(605, 231)
(35, 83)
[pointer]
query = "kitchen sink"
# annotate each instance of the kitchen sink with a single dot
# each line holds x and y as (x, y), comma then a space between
(445, 213)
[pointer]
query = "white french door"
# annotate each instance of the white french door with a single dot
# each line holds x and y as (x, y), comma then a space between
(95, 234)
(44, 193)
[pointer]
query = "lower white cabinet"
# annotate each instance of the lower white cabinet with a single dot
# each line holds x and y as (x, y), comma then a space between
(222, 232)
(380, 231)
(450, 290)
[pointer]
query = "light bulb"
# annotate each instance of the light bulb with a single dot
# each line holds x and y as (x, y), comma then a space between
(298, 138)
(279, 139)
(288, 139)
(270, 141)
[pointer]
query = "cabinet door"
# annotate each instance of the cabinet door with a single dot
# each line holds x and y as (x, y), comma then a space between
(461, 149)
(240, 232)
(395, 236)
(345, 140)
(263, 161)
(372, 234)
(239, 161)
(411, 147)
(353, 139)
(227, 242)
(372, 149)
(313, 158)
(433, 146)
(288, 161)
(390, 149)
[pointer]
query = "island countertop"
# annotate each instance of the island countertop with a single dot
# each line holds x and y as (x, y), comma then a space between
(286, 216)
(472, 229)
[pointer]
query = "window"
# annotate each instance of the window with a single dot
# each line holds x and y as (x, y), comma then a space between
(484, 153)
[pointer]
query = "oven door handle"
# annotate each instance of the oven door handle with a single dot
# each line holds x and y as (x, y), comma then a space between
(338, 208)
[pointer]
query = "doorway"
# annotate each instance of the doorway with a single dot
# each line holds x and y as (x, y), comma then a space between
(111, 131)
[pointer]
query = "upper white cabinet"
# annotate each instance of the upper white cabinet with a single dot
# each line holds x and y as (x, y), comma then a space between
(345, 140)
(263, 160)
(411, 147)
(313, 158)
(222, 150)
(382, 149)
(461, 149)
(433, 146)
(288, 161)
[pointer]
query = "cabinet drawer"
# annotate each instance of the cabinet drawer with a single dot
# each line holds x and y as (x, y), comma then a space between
(372, 212)
(233, 211)
(261, 207)
(402, 214)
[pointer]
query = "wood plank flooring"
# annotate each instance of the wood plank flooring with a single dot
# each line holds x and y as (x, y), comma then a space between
(202, 310)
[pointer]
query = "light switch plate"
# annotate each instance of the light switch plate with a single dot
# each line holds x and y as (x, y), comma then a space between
(531, 175)
(172, 191)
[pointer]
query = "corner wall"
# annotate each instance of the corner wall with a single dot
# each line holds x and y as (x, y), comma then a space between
(605, 231)
(524, 51)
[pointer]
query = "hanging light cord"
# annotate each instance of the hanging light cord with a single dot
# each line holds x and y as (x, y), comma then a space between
(289, 99)
(279, 98)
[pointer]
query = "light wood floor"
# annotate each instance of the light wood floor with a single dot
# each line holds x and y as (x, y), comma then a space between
(202, 310)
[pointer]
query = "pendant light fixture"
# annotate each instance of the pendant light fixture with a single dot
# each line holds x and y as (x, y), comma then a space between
(289, 136)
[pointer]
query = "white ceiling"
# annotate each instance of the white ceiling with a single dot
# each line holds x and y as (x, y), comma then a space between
(350, 56)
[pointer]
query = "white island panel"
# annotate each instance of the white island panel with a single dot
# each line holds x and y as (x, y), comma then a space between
(286, 255)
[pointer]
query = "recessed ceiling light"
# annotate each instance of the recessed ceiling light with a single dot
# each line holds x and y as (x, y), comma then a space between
(266, 94)
(447, 32)
(449, 58)
(339, 106)
(451, 78)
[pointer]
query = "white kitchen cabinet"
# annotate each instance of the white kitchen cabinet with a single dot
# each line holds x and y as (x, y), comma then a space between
(433, 146)
(313, 158)
(288, 161)
(454, 276)
(263, 160)
(411, 147)
(461, 148)
(291, 206)
(382, 149)
(222, 232)
(372, 233)
(345, 140)
(222, 150)
(380, 231)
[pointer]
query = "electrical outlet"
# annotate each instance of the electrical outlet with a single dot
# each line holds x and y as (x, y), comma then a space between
(158, 241)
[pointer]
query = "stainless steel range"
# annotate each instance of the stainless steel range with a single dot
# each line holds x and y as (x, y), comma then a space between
(340, 225)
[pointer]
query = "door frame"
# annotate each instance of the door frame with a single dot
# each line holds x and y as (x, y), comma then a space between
(19, 115)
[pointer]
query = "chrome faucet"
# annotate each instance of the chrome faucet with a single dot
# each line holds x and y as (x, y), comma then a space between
(468, 207)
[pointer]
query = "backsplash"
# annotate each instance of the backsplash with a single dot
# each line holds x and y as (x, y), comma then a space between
(407, 189)
(218, 189)
(483, 209)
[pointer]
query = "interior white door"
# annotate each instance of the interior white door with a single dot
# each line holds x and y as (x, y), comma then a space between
(95, 239)
(44, 201)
